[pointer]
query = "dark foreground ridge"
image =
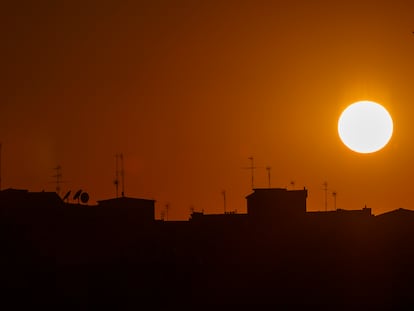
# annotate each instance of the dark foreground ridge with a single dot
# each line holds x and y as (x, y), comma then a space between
(116, 254)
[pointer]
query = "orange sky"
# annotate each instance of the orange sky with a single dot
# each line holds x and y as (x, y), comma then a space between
(188, 90)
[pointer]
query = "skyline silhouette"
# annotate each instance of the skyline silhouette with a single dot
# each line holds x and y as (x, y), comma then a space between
(329, 199)
(117, 254)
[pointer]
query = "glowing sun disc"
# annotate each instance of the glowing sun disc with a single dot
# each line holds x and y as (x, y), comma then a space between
(365, 127)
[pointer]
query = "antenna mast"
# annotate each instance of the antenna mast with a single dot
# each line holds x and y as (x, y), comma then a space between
(167, 207)
(224, 199)
(334, 196)
(116, 181)
(58, 176)
(252, 170)
(268, 175)
(118, 172)
(0, 166)
(325, 187)
(122, 175)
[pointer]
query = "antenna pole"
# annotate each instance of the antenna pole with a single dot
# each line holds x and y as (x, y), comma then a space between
(224, 200)
(58, 175)
(268, 175)
(0, 166)
(122, 175)
(167, 207)
(325, 185)
(252, 170)
(334, 195)
(116, 182)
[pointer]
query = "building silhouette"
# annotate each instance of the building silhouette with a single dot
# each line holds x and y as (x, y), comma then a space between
(116, 254)
(270, 204)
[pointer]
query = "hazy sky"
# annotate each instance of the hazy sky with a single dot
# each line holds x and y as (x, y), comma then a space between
(189, 90)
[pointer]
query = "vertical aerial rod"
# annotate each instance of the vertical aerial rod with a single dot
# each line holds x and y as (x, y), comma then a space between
(334, 196)
(252, 170)
(0, 166)
(116, 181)
(58, 175)
(325, 187)
(268, 175)
(167, 207)
(120, 157)
(122, 174)
(224, 199)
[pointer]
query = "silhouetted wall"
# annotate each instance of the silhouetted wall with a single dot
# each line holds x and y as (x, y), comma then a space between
(142, 209)
(115, 253)
(23, 198)
(274, 204)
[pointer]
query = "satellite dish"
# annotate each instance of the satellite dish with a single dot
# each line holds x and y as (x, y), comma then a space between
(84, 197)
(66, 195)
(77, 194)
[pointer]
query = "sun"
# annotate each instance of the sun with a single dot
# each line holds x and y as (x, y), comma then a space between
(365, 127)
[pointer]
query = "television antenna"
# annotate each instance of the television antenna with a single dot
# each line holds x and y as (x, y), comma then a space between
(66, 196)
(119, 171)
(58, 178)
(325, 188)
(116, 181)
(224, 199)
(167, 207)
(122, 174)
(268, 168)
(334, 196)
(77, 195)
(0, 166)
(251, 168)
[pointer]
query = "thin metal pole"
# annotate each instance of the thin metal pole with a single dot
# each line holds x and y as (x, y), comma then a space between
(252, 170)
(224, 200)
(325, 184)
(116, 174)
(122, 175)
(268, 175)
(0, 166)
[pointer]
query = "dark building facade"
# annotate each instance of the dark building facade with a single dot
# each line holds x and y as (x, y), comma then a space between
(140, 209)
(21, 198)
(278, 253)
(273, 204)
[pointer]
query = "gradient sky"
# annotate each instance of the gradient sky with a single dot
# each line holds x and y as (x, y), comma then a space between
(189, 90)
